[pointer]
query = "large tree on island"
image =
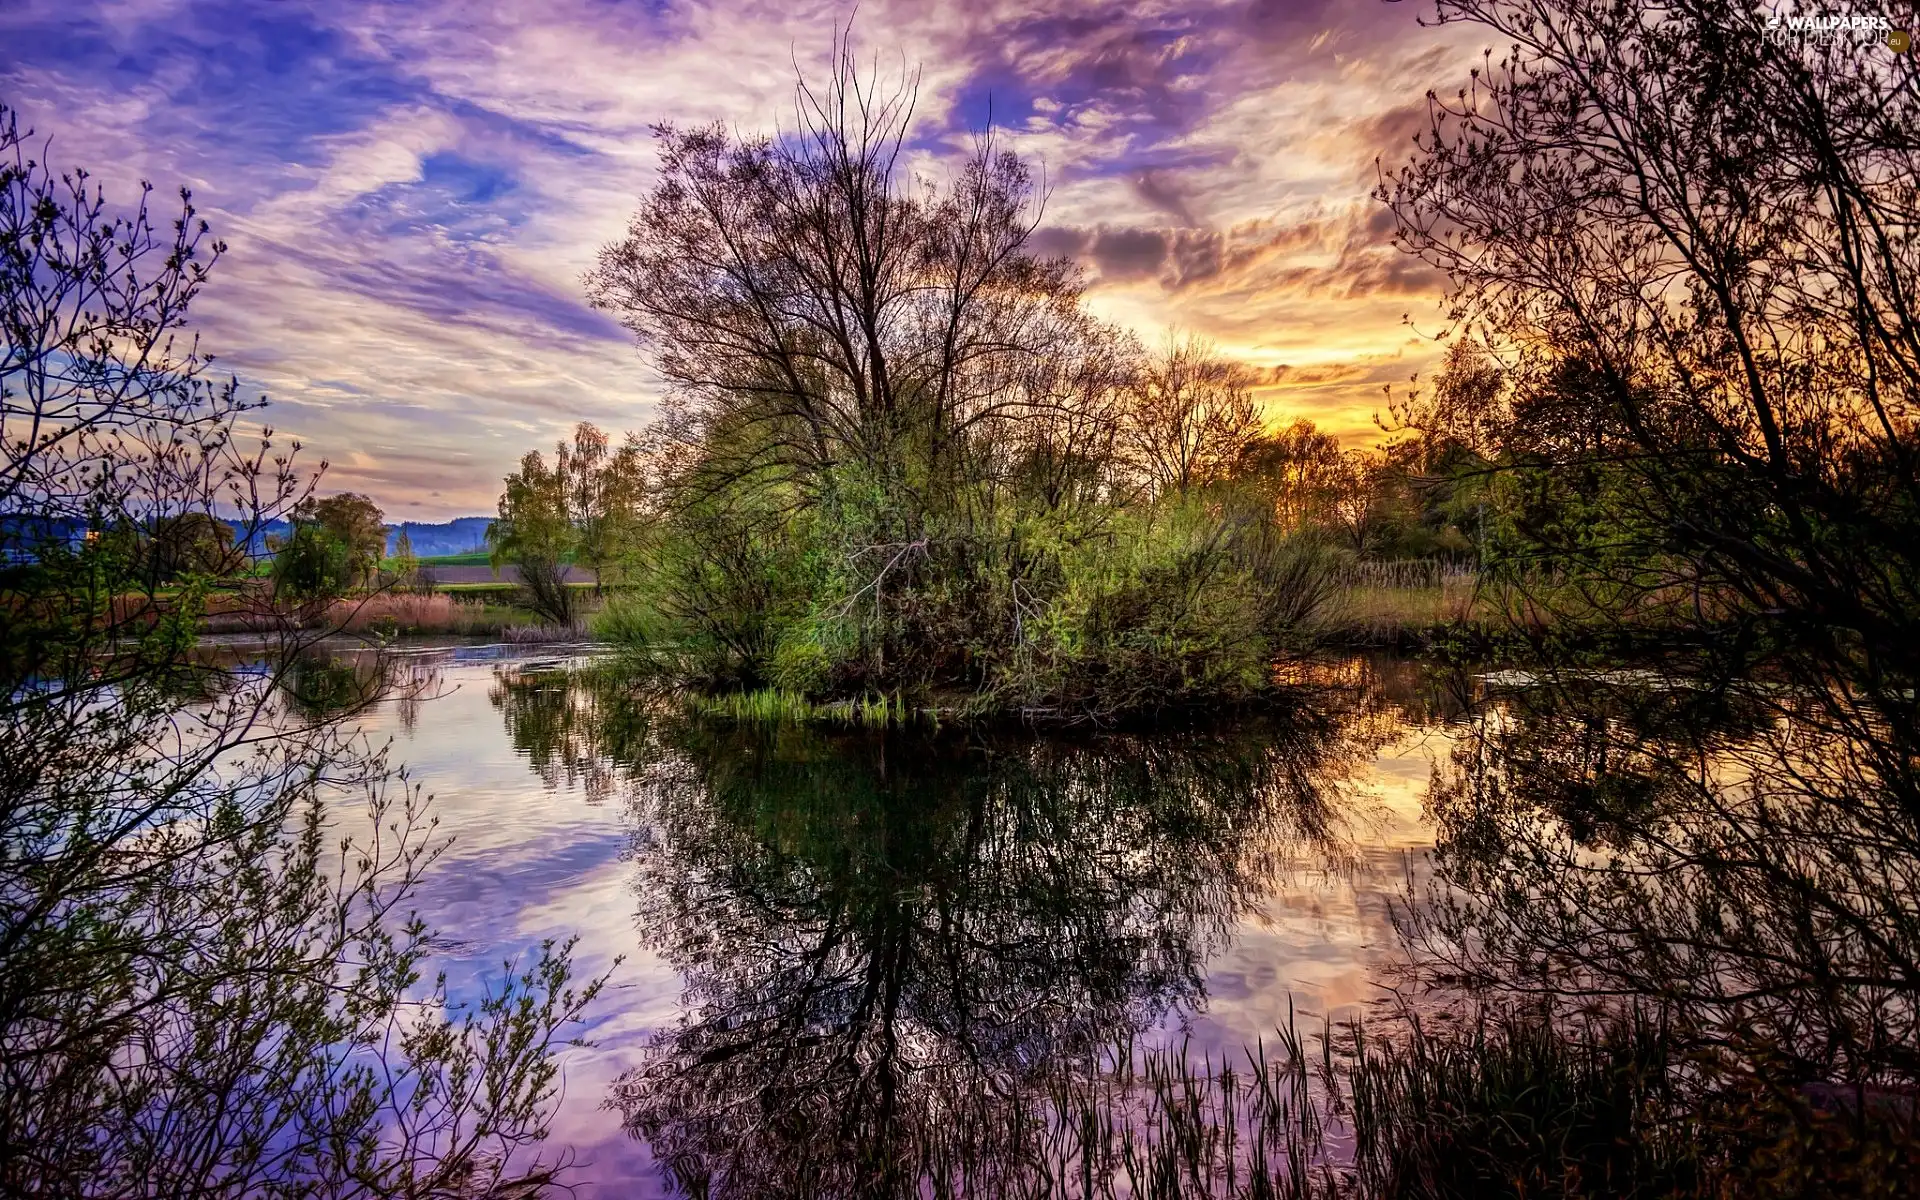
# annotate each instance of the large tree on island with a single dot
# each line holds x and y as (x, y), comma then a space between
(809, 290)
(899, 453)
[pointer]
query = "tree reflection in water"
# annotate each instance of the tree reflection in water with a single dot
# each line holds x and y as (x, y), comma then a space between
(577, 728)
(1740, 860)
(1699, 847)
(904, 954)
(893, 942)
(324, 682)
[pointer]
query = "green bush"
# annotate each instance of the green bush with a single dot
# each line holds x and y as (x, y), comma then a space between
(312, 564)
(1183, 603)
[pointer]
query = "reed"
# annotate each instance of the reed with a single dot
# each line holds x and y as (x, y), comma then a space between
(1376, 603)
(775, 706)
(543, 633)
(394, 613)
(1505, 1105)
(1163, 1124)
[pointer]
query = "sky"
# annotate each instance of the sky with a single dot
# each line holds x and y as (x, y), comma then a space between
(411, 193)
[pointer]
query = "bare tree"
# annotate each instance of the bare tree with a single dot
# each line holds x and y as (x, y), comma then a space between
(1066, 451)
(1301, 469)
(805, 296)
(1190, 418)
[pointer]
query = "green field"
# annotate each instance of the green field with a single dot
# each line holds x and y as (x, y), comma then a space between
(473, 558)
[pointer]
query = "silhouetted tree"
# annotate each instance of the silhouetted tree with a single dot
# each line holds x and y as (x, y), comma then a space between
(1686, 236)
(1730, 277)
(1189, 418)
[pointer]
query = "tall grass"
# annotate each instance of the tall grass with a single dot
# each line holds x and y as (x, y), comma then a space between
(775, 706)
(1520, 1106)
(1160, 1124)
(428, 613)
(1378, 603)
(1409, 574)
(1511, 1106)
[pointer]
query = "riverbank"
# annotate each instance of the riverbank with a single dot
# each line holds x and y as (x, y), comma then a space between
(482, 612)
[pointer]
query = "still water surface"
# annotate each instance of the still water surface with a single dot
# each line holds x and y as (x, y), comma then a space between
(849, 920)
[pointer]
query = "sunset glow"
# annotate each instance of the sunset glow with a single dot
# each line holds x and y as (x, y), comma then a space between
(412, 193)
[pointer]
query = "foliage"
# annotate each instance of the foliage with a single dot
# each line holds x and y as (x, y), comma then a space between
(405, 564)
(585, 508)
(1705, 314)
(193, 544)
(603, 489)
(209, 982)
(535, 534)
(355, 522)
(1700, 420)
(334, 545)
(310, 564)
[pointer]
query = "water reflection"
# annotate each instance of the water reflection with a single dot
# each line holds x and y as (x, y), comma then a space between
(886, 948)
(889, 942)
(310, 682)
(576, 728)
(1743, 859)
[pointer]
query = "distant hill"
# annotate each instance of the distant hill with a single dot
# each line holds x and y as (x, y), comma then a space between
(462, 535)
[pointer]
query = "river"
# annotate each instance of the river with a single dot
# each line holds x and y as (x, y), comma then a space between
(862, 913)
